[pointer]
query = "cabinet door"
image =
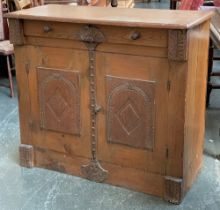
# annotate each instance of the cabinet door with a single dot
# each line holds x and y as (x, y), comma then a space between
(59, 99)
(132, 126)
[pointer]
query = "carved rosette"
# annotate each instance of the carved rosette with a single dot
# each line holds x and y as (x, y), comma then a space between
(91, 36)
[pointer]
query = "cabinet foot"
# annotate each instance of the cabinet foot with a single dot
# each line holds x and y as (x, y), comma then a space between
(173, 190)
(26, 153)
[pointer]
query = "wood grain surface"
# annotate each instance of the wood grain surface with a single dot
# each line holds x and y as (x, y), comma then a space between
(174, 19)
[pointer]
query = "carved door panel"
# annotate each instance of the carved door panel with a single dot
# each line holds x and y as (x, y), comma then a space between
(133, 123)
(59, 97)
(130, 112)
(59, 100)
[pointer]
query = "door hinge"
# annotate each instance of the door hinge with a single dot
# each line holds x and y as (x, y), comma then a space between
(167, 152)
(31, 125)
(27, 67)
(168, 85)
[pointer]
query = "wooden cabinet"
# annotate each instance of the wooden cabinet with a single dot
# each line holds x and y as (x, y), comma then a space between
(111, 95)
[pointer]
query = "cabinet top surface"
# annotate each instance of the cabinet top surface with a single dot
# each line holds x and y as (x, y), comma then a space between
(146, 18)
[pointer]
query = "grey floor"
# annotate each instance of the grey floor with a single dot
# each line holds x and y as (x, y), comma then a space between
(40, 189)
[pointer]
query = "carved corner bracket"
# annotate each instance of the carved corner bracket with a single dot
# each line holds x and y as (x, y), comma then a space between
(26, 153)
(173, 190)
(16, 32)
(177, 45)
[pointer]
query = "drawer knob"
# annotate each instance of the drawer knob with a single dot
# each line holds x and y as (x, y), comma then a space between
(47, 29)
(136, 35)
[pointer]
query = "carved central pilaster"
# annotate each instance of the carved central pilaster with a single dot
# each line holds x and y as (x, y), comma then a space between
(91, 36)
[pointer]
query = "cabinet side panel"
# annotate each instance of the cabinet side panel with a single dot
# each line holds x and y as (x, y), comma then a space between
(195, 103)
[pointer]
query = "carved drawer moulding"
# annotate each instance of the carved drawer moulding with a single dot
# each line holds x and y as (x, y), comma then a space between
(130, 112)
(59, 100)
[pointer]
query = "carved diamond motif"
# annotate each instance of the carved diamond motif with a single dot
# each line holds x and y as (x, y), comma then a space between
(128, 117)
(57, 104)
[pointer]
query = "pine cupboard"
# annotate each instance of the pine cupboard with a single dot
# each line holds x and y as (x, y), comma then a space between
(113, 95)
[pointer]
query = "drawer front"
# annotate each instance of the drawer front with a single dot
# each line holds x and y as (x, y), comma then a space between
(115, 35)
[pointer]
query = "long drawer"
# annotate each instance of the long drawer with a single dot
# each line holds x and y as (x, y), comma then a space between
(119, 35)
